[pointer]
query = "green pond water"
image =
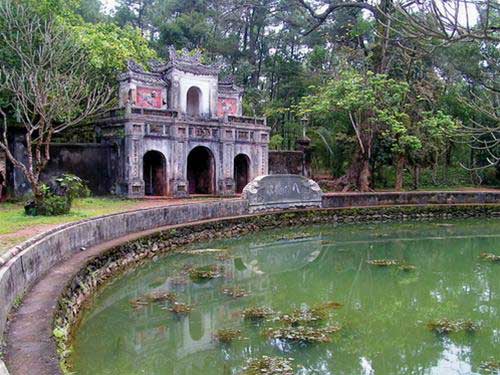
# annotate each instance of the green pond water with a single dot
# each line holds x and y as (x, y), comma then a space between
(384, 315)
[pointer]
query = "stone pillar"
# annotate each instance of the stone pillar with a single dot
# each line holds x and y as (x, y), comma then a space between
(304, 145)
(226, 183)
(134, 134)
(179, 181)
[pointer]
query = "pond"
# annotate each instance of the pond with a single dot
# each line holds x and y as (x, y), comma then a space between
(383, 319)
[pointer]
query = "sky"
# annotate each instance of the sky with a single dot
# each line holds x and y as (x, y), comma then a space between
(108, 5)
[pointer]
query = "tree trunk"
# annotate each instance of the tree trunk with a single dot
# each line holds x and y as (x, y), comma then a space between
(358, 176)
(400, 167)
(416, 177)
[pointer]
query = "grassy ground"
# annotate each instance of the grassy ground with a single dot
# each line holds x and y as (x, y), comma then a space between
(16, 227)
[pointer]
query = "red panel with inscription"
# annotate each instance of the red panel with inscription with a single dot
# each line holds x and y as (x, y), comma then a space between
(228, 106)
(149, 97)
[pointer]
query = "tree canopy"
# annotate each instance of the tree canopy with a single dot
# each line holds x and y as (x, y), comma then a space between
(387, 87)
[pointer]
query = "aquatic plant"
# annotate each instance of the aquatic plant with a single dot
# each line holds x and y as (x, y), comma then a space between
(205, 272)
(268, 366)
(445, 326)
(303, 334)
(490, 257)
(383, 262)
(138, 303)
(227, 335)
(491, 366)
(64, 348)
(406, 267)
(235, 292)
(257, 313)
(180, 308)
(312, 315)
(402, 266)
(161, 296)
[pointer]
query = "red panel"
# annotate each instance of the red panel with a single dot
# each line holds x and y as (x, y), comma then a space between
(148, 97)
(226, 105)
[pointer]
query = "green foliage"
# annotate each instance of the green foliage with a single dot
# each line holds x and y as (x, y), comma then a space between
(57, 200)
(110, 46)
(73, 186)
(276, 142)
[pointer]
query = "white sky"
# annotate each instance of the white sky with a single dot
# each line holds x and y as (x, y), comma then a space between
(109, 6)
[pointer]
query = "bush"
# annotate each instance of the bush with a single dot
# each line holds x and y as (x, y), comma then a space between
(57, 199)
(72, 186)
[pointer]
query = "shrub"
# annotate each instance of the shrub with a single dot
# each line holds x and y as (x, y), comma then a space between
(56, 200)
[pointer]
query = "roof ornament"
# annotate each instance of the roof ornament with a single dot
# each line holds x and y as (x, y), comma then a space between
(156, 66)
(134, 67)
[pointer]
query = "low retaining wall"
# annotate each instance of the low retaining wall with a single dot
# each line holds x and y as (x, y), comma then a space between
(331, 200)
(24, 264)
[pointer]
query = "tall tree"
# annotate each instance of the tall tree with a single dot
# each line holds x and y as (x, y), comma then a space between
(50, 85)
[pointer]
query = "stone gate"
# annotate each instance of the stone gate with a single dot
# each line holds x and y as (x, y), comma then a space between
(179, 130)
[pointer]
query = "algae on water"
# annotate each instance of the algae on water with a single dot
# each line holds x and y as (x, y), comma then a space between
(446, 326)
(269, 365)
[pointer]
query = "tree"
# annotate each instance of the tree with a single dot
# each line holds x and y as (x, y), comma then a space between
(49, 83)
(370, 102)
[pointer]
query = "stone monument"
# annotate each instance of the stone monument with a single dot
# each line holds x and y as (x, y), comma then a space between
(284, 191)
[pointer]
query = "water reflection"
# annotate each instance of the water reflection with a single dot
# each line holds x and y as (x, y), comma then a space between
(384, 312)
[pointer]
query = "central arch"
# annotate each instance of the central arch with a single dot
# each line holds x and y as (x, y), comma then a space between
(193, 101)
(241, 171)
(154, 165)
(201, 171)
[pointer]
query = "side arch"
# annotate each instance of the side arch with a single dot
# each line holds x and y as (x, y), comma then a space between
(241, 172)
(154, 173)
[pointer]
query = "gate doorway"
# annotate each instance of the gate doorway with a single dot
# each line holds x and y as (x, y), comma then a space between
(201, 171)
(241, 172)
(154, 173)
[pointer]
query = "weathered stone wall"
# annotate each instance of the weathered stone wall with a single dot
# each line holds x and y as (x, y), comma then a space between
(286, 162)
(405, 198)
(94, 163)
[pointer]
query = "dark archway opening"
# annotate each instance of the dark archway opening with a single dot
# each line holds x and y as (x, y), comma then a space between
(201, 171)
(154, 173)
(241, 172)
(193, 101)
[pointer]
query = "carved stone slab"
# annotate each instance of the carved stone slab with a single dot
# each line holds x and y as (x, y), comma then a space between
(281, 192)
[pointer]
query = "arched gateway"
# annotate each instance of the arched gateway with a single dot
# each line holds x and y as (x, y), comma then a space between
(241, 172)
(174, 107)
(201, 171)
(154, 173)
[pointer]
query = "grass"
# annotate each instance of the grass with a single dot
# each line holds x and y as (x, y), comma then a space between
(13, 219)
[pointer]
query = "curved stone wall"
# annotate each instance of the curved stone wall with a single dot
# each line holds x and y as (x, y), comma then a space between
(23, 265)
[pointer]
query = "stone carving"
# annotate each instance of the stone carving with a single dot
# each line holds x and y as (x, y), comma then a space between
(281, 192)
